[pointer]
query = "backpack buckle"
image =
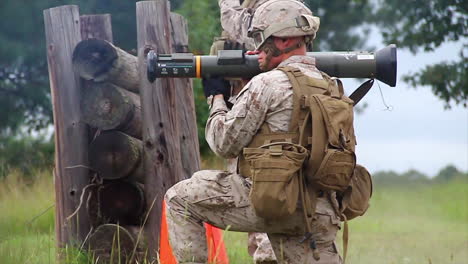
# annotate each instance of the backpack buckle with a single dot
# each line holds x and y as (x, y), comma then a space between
(276, 150)
(304, 103)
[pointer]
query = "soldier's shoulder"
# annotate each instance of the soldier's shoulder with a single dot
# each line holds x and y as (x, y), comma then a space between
(269, 77)
(264, 83)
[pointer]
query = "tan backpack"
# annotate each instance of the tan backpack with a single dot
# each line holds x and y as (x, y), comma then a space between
(328, 133)
(325, 127)
(316, 154)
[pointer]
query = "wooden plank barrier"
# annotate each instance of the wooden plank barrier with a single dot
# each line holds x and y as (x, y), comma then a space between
(118, 137)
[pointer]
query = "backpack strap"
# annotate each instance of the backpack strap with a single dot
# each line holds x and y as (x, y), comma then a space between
(311, 121)
(302, 120)
(298, 100)
(303, 86)
(319, 138)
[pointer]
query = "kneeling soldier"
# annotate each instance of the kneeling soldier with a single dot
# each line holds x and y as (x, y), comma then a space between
(269, 193)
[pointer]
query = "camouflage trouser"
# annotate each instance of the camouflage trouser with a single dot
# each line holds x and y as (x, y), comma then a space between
(222, 199)
(260, 248)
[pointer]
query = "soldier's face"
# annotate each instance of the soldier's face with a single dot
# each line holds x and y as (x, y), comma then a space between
(272, 53)
(266, 60)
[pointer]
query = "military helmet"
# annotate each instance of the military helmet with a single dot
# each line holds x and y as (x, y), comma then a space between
(282, 18)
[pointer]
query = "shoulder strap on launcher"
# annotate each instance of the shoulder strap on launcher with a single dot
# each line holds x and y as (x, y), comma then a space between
(312, 134)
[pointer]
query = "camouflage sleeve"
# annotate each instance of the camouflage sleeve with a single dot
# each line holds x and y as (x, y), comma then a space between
(228, 132)
(235, 20)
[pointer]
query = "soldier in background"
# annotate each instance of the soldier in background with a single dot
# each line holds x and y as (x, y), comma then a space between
(235, 17)
(221, 198)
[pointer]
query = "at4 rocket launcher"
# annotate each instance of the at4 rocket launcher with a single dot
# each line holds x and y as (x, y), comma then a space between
(380, 65)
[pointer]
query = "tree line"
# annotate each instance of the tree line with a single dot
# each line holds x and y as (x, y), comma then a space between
(415, 177)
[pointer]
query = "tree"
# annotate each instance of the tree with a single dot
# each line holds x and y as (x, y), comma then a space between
(339, 21)
(24, 94)
(415, 176)
(24, 89)
(24, 84)
(25, 154)
(391, 178)
(448, 173)
(425, 25)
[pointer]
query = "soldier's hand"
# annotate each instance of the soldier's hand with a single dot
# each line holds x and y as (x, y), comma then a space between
(233, 45)
(215, 86)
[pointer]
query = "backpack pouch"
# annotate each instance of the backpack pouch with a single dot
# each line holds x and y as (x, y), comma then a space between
(336, 170)
(275, 172)
(356, 199)
(333, 154)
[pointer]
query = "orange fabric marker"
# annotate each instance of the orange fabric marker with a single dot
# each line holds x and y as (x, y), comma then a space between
(214, 237)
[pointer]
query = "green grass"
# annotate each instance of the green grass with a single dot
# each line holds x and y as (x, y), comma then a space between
(21, 201)
(33, 248)
(404, 225)
(414, 224)
(421, 224)
(25, 238)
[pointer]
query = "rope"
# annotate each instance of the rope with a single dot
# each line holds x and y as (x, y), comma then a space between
(387, 107)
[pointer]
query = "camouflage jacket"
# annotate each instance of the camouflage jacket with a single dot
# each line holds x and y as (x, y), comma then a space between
(266, 98)
(235, 20)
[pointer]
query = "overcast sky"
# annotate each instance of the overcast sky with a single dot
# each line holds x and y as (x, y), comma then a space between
(418, 133)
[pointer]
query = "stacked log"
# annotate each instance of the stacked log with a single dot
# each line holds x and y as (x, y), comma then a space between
(118, 202)
(100, 61)
(111, 106)
(116, 155)
(107, 106)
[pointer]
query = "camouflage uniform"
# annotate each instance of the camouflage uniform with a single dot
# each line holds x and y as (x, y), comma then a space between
(222, 198)
(235, 20)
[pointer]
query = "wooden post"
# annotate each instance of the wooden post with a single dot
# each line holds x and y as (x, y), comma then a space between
(179, 33)
(186, 111)
(96, 26)
(62, 27)
(162, 158)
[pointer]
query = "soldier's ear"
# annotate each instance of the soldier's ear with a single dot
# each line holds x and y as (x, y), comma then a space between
(287, 42)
